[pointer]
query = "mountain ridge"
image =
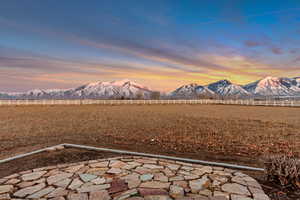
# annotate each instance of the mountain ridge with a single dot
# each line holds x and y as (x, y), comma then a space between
(127, 89)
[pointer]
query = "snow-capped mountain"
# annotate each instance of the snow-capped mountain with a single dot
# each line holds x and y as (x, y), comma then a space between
(267, 87)
(38, 94)
(114, 89)
(226, 88)
(126, 89)
(103, 90)
(274, 86)
(192, 91)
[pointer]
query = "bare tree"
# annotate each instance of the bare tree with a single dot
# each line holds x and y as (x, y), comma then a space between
(155, 95)
(139, 95)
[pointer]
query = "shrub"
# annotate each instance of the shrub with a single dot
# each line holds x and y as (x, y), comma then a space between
(283, 170)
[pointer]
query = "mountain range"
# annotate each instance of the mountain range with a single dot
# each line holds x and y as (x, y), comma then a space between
(126, 89)
(266, 87)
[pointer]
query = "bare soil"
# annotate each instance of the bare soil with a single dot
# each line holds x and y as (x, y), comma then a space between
(222, 132)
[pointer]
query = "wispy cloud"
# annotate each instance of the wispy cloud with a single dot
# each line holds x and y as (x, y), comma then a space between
(251, 43)
(294, 50)
(277, 50)
(297, 59)
(163, 59)
(132, 47)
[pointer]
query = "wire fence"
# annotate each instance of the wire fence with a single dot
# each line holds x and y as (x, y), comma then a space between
(250, 102)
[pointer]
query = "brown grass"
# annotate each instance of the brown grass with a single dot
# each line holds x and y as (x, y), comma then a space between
(222, 130)
(283, 170)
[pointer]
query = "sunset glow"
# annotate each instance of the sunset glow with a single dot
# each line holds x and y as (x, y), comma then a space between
(161, 44)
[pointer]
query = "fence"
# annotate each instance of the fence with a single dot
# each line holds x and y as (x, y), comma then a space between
(250, 102)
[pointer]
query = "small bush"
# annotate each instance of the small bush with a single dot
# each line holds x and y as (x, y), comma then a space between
(283, 170)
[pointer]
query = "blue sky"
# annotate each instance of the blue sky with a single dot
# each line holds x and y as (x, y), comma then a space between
(160, 43)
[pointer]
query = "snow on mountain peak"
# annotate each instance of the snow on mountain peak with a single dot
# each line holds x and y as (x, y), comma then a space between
(225, 81)
(121, 82)
(269, 81)
(192, 90)
(120, 89)
(221, 83)
(129, 82)
(226, 88)
(114, 89)
(274, 86)
(35, 92)
(117, 83)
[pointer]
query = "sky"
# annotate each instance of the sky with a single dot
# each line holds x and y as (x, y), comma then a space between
(162, 44)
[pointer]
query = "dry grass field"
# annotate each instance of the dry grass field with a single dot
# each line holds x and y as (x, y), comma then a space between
(237, 134)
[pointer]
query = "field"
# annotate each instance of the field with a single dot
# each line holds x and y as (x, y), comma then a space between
(236, 134)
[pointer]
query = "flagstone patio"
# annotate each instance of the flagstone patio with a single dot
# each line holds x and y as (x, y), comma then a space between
(131, 178)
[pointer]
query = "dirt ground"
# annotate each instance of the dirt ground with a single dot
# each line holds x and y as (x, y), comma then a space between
(222, 133)
(236, 134)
